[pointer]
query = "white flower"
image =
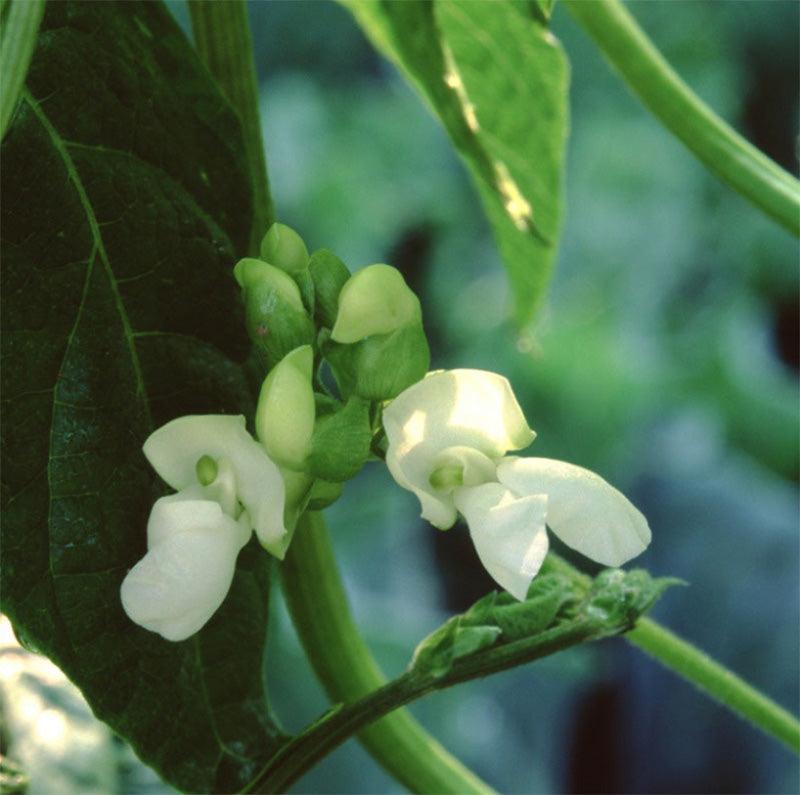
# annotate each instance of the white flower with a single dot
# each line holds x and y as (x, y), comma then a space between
(227, 487)
(448, 436)
(446, 431)
(175, 449)
(188, 569)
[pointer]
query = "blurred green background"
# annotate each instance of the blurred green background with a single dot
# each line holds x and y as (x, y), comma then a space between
(665, 358)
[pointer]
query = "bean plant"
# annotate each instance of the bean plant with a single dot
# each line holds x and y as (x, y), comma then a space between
(187, 387)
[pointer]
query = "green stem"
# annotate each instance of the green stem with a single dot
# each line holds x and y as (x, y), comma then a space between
(716, 144)
(335, 727)
(222, 38)
(314, 591)
(715, 680)
(20, 27)
(343, 663)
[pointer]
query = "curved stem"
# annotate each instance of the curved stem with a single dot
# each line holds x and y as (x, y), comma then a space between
(336, 726)
(344, 664)
(746, 169)
(223, 41)
(716, 681)
(19, 31)
(713, 679)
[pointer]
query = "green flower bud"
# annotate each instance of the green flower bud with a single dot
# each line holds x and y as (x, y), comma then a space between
(277, 321)
(376, 300)
(341, 440)
(329, 274)
(284, 248)
(381, 367)
(377, 346)
(323, 493)
(285, 412)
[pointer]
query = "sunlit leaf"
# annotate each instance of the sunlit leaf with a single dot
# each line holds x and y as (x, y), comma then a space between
(497, 79)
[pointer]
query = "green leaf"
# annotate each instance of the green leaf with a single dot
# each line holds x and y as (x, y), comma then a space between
(611, 604)
(617, 598)
(19, 26)
(497, 80)
(125, 203)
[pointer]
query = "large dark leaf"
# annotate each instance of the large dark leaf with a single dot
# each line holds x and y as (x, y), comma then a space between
(497, 79)
(125, 202)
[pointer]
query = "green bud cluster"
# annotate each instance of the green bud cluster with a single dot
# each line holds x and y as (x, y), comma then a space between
(305, 311)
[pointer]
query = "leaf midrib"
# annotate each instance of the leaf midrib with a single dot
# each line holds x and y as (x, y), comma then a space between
(100, 250)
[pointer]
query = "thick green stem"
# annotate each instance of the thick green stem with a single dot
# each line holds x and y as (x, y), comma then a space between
(715, 680)
(20, 26)
(345, 666)
(717, 145)
(222, 38)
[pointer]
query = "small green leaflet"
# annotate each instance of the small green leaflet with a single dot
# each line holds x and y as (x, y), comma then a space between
(611, 604)
(125, 203)
(497, 79)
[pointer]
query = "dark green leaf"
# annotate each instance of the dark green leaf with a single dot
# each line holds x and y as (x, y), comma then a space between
(497, 80)
(125, 203)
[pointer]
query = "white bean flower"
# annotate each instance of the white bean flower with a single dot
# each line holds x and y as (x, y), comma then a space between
(448, 439)
(227, 486)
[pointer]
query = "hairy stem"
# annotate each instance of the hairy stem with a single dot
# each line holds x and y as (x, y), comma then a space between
(720, 148)
(20, 26)
(345, 666)
(222, 38)
(716, 681)
(713, 679)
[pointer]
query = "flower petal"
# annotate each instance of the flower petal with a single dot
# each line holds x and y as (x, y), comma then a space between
(174, 449)
(182, 580)
(583, 510)
(449, 409)
(508, 532)
(190, 510)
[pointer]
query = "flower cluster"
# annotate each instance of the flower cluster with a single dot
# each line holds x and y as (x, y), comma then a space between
(448, 437)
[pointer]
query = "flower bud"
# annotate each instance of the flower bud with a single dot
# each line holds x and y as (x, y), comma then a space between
(285, 412)
(377, 346)
(381, 367)
(329, 274)
(376, 300)
(341, 440)
(284, 248)
(277, 321)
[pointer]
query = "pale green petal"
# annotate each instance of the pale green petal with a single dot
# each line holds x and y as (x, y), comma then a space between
(223, 488)
(509, 533)
(174, 449)
(375, 300)
(190, 509)
(465, 466)
(437, 507)
(285, 413)
(182, 580)
(451, 410)
(253, 272)
(583, 510)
